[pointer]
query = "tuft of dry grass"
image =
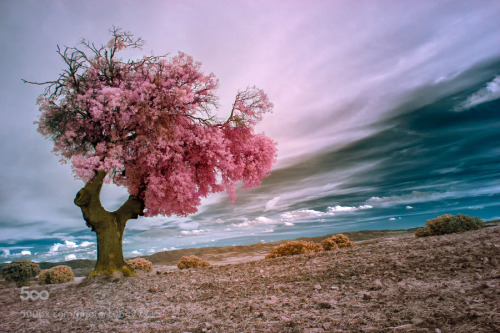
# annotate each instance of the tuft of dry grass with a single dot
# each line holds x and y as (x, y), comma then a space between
(294, 247)
(140, 264)
(336, 241)
(192, 262)
(57, 274)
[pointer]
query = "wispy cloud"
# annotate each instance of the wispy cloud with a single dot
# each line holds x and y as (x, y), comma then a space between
(489, 93)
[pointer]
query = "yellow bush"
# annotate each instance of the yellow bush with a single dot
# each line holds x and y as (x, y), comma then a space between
(57, 274)
(192, 262)
(294, 247)
(447, 224)
(339, 239)
(140, 264)
(329, 244)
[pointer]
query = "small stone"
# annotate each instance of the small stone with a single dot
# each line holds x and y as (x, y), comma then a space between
(317, 286)
(377, 285)
(438, 330)
(324, 305)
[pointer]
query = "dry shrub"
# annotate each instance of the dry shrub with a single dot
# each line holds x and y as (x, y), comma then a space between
(423, 232)
(140, 264)
(192, 262)
(336, 241)
(294, 247)
(329, 244)
(448, 224)
(57, 274)
(21, 271)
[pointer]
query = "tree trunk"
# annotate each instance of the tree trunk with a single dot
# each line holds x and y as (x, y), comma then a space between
(108, 226)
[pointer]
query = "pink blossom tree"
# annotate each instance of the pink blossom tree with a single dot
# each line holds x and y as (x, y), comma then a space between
(148, 125)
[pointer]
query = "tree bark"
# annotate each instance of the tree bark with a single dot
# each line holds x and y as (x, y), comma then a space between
(108, 226)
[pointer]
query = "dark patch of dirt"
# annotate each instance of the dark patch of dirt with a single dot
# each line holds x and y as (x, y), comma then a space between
(443, 284)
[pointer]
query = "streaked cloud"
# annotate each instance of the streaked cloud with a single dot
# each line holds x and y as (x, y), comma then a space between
(489, 93)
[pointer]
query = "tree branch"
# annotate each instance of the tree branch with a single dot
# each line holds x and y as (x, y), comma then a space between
(131, 209)
(88, 199)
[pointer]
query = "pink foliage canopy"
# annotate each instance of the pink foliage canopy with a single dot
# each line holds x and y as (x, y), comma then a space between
(148, 124)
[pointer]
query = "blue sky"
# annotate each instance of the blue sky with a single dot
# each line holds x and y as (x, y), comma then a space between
(386, 114)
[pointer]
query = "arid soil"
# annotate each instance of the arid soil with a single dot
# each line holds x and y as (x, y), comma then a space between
(398, 284)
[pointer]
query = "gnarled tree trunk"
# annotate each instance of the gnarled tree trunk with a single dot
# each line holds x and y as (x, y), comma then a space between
(108, 226)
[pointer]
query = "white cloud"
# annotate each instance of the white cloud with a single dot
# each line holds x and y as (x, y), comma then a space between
(302, 214)
(392, 219)
(86, 244)
(310, 213)
(409, 207)
(69, 257)
(57, 247)
(70, 244)
(25, 253)
(338, 209)
(6, 253)
(194, 232)
(414, 196)
(261, 220)
(486, 94)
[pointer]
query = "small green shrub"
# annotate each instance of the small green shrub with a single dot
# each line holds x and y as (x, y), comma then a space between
(140, 264)
(448, 224)
(21, 271)
(294, 247)
(192, 262)
(57, 274)
(336, 241)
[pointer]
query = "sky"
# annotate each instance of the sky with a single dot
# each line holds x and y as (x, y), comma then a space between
(386, 114)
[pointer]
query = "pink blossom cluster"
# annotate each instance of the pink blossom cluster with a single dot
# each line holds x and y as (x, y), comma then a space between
(148, 124)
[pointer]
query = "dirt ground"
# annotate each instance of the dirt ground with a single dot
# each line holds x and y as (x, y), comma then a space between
(398, 284)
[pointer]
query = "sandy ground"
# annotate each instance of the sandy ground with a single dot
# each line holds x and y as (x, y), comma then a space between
(399, 284)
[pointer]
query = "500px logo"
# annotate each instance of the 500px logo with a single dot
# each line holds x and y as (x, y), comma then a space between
(33, 294)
